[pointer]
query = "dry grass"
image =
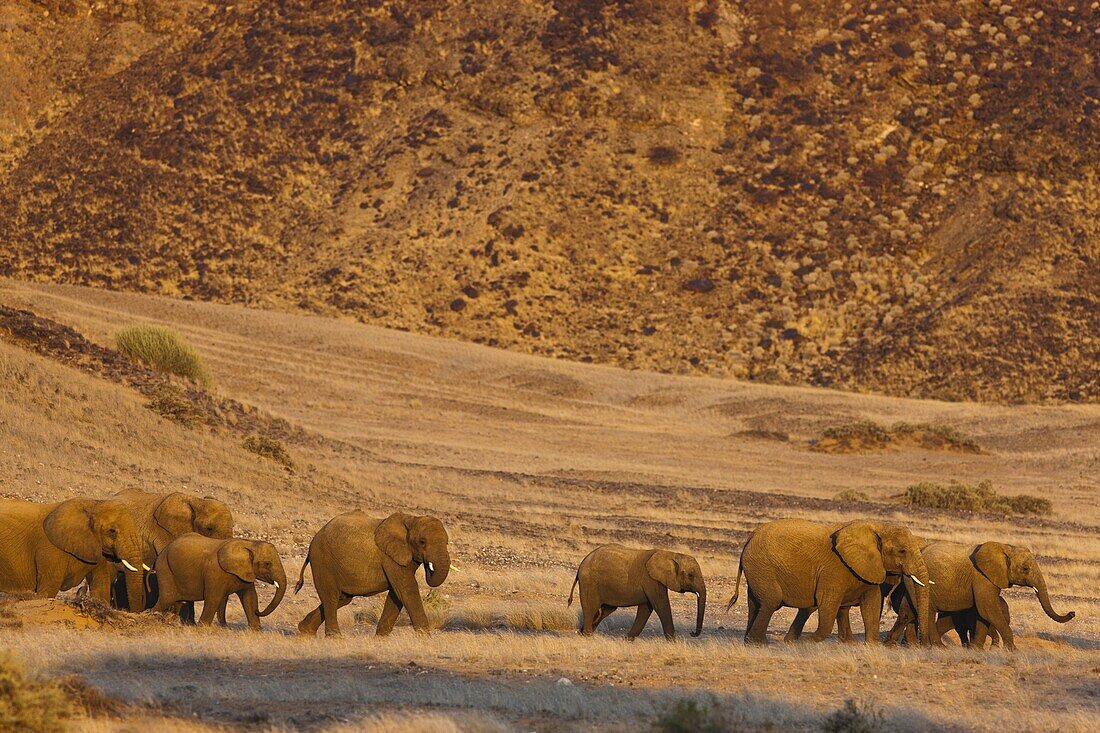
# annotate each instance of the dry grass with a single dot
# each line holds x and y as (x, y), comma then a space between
(163, 350)
(30, 705)
(981, 497)
(868, 435)
(269, 448)
(852, 495)
(171, 402)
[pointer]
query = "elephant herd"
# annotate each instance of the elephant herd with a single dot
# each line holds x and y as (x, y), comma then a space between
(143, 551)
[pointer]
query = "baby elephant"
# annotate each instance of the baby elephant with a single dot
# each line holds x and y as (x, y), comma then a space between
(613, 576)
(197, 568)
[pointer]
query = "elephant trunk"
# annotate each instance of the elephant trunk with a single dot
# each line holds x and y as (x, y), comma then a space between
(1040, 586)
(436, 569)
(701, 609)
(280, 589)
(919, 586)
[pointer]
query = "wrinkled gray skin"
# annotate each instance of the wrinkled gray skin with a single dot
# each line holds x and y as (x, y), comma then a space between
(197, 568)
(48, 548)
(804, 565)
(613, 576)
(358, 555)
(158, 519)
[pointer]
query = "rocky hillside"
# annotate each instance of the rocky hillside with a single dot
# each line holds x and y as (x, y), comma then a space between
(833, 193)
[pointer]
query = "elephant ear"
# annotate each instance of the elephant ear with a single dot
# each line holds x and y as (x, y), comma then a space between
(860, 549)
(69, 527)
(175, 514)
(235, 557)
(663, 568)
(991, 560)
(392, 537)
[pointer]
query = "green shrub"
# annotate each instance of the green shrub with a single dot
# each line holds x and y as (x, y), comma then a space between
(170, 401)
(163, 350)
(958, 496)
(854, 717)
(270, 449)
(29, 705)
(688, 715)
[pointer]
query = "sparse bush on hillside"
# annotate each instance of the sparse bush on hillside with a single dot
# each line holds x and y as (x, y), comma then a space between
(869, 435)
(852, 495)
(29, 705)
(958, 496)
(689, 715)
(170, 401)
(861, 717)
(163, 350)
(949, 436)
(269, 448)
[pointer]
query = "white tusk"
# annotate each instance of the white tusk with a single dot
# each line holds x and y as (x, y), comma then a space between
(931, 582)
(431, 568)
(129, 566)
(145, 567)
(276, 584)
(917, 581)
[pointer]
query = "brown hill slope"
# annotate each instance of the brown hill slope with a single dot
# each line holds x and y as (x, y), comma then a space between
(839, 194)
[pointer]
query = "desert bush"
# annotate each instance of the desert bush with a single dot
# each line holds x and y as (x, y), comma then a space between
(869, 435)
(30, 705)
(863, 433)
(861, 717)
(163, 350)
(958, 496)
(945, 435)
(852, 495)
(171, 402)
(269, 448)
(690, 715)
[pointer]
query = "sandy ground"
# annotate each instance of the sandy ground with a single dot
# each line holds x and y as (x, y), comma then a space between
(531, 463)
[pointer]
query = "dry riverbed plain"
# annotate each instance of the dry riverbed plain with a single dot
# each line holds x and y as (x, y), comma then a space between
(530, 463)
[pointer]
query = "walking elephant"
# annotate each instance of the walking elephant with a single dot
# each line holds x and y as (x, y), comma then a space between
(159, 519)
(800, 564)
(843, 620)
(969, 580)
(48, 548)
(613, 576)
(197, 568)
(358, 555)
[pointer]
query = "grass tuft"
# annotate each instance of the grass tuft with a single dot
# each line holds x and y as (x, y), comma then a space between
(163, 350)
(170, 401)
(861, 717)
(852, 495)
(689, 715)
(937, 435)
(30, 705)
(958, 496)
(270, 449)
(862, 435)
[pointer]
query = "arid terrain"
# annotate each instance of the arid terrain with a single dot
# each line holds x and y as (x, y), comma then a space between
(531, 462)
(897, 198)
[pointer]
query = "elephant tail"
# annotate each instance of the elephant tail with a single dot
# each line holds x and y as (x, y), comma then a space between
(736, 587)
(302, 575)
(576, 579)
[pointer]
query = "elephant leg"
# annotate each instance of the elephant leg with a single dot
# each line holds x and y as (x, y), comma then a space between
(186, 611)
(330, 604)
(312, 621)
(221, 612)
(827, 610)
(994, 610)
(391, 609)
(754, 611)
(844, 624)
(660, 604)
(210, 605)
(100, 581)
(799, 623)
(408, 592)
(251, 605)
(757, 631)
(640, 620)
(601, 613)
(870, 609)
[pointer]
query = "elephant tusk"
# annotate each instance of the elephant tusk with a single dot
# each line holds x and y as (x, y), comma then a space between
(915, 580)
(276, 584)
(129, 567)
(431, 568)
(145, 567)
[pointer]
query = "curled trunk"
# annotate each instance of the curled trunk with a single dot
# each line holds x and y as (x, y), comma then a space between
(436, 570)
(700, 611)
(1044, 598)
(280, 579)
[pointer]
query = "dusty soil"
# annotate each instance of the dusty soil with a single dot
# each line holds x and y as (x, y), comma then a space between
(531, 463)
(831, 193)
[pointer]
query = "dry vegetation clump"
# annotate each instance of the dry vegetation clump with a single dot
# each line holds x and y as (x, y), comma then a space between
(855, 717)
(852, 495)
(30, 705)
(170, 401)
(522, 616)
(863, 435)
(163, 350)
(424, 723)
(958, 496)
(689, 715)
(269, 448)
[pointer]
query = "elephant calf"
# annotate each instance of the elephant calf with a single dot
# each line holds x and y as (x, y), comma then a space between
(613, 576)
(358, 555)
(197, 568)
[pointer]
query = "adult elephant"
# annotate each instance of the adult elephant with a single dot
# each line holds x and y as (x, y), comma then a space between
(48, 548)
(804, 565)
(358, 555)
(969, 580)
(159, 519)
